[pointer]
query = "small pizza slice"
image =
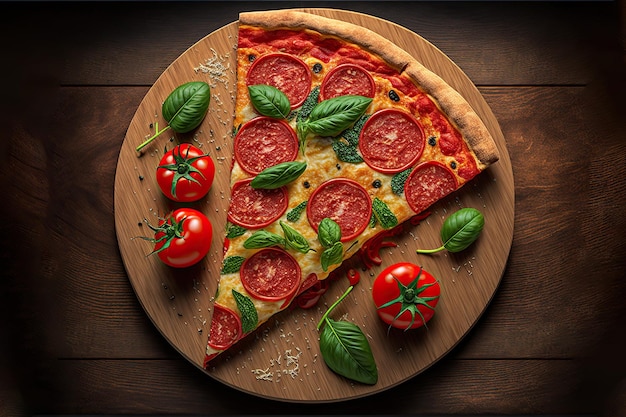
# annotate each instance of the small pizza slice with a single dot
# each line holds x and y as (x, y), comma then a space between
(340, 135)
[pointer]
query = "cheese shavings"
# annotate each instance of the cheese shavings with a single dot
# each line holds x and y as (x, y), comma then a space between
(215, 67)
(291, 367)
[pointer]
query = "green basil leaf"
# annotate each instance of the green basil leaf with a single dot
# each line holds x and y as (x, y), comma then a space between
(249, 315)
(269, 101)
(278, 175)
(346, 152)
(461, 229)
(328, 232)
(383, 214)
(185, 107)
(333, 116)
(346, 351)
(263, 239)
(373, 222)
(305, 110)
(352, 134)
(398, 181)
(332, 256)
(294, 239)
(233, 230)
(294, 214)
(232, 264)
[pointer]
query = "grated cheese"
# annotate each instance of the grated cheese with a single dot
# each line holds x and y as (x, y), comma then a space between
(290, 367)
(216, 69)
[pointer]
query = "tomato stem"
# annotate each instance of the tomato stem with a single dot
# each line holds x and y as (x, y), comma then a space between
(324, 317)
(149, 140)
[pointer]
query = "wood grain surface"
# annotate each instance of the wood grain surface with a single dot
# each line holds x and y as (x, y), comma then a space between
(179, 301)
(76, 341)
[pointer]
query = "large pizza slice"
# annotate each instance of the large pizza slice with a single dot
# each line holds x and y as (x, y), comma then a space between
(339, 134)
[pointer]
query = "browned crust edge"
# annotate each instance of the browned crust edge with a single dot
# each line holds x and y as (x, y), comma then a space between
(447, 98)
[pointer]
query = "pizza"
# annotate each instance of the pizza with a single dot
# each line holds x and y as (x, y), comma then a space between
(339, 135)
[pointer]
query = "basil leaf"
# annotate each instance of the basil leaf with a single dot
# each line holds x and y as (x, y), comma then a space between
(398, 181)
(308, 105)
(185, 107)
(294, 214)
(232, 264)
(461, 229)
(263, 239)
(383, 214)
(373, 222)
(332, 256)
(233, 230)
(269, 101)
(293, 238)
(352, 134)
(346, 152)
(328, 232)
(249, 315)
(346, 351)
(333, 116)
(278, 175)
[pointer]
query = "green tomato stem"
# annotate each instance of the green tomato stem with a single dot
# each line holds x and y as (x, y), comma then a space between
(430, 250)
(323, 319)
(149, 140)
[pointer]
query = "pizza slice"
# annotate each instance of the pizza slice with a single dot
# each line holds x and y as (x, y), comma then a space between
(339, 135)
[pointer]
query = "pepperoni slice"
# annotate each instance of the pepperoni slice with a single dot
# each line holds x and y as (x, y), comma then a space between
(343, 200)
(347, 79)
(428, 183)
(271, 274)
(225, 328)
(255, 208)
(264, 142)
(391, 141)
(286, 72)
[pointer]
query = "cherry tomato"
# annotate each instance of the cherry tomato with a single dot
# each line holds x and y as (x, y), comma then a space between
(405, 296)
(185, 174)
(183, 238)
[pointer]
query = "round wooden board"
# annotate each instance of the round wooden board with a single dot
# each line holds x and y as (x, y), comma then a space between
(179, 301)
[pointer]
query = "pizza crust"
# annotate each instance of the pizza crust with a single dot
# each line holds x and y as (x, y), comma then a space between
(448, 99)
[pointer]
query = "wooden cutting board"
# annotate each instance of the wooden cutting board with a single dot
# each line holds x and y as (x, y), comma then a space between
(282, 359)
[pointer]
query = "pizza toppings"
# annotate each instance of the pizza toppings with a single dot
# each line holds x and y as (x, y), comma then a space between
(383, 214)
(347, 79)
(343, 200)
(256, 208)
(278, 175)
(398, 181)
(247, 310)
(294, 214)
(427, 183)
(264, 142)
(296, 87)
(317, 68)
(269, 101)
(225, 328)
(271, 274)
(284, 71)
(391, 141)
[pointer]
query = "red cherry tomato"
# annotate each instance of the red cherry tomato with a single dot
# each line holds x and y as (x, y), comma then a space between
(405, 296)
(185, 174)
(183, 238)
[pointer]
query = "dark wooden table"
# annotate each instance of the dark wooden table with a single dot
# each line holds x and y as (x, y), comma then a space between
(73, 337)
